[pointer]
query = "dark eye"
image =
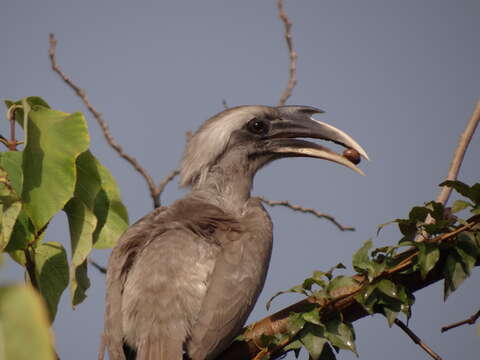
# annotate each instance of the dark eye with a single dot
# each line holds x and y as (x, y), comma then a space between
(259, 127)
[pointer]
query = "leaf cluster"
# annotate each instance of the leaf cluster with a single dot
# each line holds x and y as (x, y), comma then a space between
(433, 238)
(55, 171)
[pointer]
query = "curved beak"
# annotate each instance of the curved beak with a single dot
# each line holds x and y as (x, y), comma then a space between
(296, 122)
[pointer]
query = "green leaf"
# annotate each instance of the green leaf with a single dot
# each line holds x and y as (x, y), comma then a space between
(25, 331)
(418, 213)
(313, 339)
(97, 188)
(295, 323)
(312, 316)
(295, 346)
(388, 288)
(10, 207)
(340, 282)
(23, 233)
(361, 260)
(381, 226)
(82, 223)
(473, 193)
(51, 268)
(390, 314)
(55, 139)
(454, 274)
(468, 251)
(460, 205)
(428, 256)
(296, 289)
(341, 335)
(11, 162)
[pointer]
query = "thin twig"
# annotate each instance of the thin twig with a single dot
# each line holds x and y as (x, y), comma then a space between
(103, 125)
(307, 211)
(292, 80)
(417, 340)
(97, 266)
(462, 146)
(470, 321)
(166, 180)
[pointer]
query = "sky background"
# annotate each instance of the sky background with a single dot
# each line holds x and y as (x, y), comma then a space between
(401, 77)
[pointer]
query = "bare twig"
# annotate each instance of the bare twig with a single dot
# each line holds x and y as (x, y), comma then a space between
(417, 340)
(455, 165)
(462, 146)
(97, 266)
(292, 80)
(307, 211)
(103, 125)
(470, 321)
(166, 180)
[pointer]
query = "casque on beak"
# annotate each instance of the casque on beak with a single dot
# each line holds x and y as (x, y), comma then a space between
(296, 122)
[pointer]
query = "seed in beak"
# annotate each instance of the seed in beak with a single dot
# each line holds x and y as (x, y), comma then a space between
(352, 155)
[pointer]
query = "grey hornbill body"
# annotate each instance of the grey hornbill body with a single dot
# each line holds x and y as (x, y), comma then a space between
(184, 278)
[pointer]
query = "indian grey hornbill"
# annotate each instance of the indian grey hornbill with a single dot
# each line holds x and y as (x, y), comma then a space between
(182, 280)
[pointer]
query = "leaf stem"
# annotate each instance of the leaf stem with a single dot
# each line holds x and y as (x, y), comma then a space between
(30, 266)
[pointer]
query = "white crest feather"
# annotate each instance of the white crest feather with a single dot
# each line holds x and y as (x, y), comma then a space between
(211, 140)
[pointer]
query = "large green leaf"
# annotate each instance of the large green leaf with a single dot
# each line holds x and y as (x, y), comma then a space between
(55, 139)
(97, 188)
(82, 224)
(10, 206)
(51, 268)
(25, 332)
(313, 338)
(116, 219)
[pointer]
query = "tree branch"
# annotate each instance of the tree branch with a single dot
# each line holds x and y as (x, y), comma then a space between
(154, 193)
(417, 340)
(470, 321)
(292, 80)
(343, 301)
(307, 211)
(457, 160)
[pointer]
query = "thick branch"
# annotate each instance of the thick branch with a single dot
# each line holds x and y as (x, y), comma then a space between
(307, 211)
(470, 321)
(343, 302)
(154, 193)
(292, 80)
(462, 146)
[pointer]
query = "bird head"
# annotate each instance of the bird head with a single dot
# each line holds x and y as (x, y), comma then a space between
(248, 137)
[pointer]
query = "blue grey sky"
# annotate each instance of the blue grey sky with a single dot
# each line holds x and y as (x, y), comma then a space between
(401, 77)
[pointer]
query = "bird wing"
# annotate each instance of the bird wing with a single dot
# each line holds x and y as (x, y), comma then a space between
(119, 264)
(157, 279)
(233, 289)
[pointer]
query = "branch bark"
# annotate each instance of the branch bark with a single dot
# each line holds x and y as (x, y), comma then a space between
(343, 302)
(292, 80)
(307, 211)
(154, 193)
(417, 340)
(470, 321)
(460, 151)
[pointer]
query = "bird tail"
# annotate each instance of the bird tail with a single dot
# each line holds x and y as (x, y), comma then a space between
(159, 349)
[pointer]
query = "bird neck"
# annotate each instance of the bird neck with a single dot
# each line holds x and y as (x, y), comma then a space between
(228, 185)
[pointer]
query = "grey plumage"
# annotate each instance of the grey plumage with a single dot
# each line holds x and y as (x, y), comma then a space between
(184, 278)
